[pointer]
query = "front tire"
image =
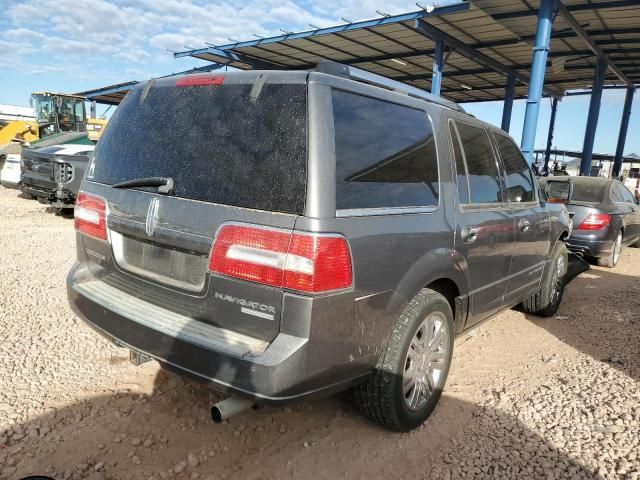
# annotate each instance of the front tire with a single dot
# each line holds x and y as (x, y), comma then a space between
(611, 260)
(411, 373)
(546, 302)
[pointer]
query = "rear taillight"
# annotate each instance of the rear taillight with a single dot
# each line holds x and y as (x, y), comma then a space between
(595, 221)
(90, 216)
(296, 261)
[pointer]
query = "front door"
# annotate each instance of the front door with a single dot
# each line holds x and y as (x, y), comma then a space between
(484, 224)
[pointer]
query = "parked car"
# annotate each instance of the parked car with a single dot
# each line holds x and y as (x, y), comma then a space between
(53, 174)
(605, 214)
(283, 235)
(10, 174)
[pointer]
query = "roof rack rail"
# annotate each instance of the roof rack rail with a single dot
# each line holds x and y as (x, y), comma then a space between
(353, 73)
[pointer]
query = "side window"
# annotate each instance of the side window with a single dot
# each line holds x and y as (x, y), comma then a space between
(482, 169)
(461, 170)
(616, 193)
(385, 154)
(627, 196)
(519, 179)
(79, 111)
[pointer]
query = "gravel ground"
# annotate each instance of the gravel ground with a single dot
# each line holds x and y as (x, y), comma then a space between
(526, 398)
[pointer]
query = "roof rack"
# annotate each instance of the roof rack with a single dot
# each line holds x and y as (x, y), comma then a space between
(353, 73)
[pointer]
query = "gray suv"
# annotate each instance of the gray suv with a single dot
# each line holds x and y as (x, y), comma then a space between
(282, 235)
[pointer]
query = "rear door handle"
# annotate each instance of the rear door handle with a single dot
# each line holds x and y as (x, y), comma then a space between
(524, 225)
(469, 234)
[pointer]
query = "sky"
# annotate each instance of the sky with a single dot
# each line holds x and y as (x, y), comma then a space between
(75, 45)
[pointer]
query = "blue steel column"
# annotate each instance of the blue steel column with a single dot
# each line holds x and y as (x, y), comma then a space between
(552, 124)
(592, 119)
(538, 67)
(508, 102)
(622, 136)
(436, 78)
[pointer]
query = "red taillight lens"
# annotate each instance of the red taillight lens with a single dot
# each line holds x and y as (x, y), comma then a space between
(595, 221)
(296, 261)
(199, 80)
(90, 216)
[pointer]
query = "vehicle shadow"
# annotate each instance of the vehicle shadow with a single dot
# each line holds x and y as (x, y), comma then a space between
(600, 316)
(166, 433)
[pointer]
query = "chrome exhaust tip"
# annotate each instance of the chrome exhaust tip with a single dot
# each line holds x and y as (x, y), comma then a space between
(229, 407)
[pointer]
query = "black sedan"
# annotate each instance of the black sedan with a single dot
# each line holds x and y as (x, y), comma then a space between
(606, 215)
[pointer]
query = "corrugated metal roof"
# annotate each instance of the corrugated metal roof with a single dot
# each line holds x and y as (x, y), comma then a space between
(500, 29)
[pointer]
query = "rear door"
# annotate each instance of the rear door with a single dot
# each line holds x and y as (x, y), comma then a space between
(235, 148)
(625, 201)
(484, 224)
(531, 220)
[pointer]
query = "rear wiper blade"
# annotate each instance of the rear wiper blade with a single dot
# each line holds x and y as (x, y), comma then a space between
(164, 184)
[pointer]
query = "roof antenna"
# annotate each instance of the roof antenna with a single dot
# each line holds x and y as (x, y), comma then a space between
(210, 45)
(233, 40)
(346, 20)
(316, 27)
(286, 32)
(257, 36)
(386, 15)
(428, 8)
(188, 47)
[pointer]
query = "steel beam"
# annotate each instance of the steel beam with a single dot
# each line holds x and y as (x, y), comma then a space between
(595, 48)
(552, 124)
(438, 66)
(507, 106)
(592, 119)
(622, 136)
(578, 7)
(435, 34)
(538, 67)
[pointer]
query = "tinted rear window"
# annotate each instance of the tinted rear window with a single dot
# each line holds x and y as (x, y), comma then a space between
(385, 154)
(588, 192)
(217, 143)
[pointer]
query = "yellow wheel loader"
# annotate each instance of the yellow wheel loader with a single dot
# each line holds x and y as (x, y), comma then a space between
(56, 115)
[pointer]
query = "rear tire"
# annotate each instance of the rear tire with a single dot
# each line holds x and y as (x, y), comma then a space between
(546, 302)
(611, 260)
(411, 373)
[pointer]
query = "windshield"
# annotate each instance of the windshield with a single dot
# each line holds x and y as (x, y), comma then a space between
(231, 144)
(45, 108)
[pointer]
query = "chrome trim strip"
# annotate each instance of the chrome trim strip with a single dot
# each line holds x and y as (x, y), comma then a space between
(366, 212)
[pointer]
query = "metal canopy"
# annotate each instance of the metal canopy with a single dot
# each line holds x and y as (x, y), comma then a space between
(113, 94)
(486, 41)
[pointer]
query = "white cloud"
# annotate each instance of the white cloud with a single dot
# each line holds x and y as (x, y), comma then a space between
(92, 37)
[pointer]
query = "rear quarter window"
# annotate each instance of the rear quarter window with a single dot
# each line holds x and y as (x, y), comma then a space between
(385, 154)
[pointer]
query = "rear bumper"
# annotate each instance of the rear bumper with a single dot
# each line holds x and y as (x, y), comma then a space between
(58, 197)
(590, 247)
(281, 372)
(39, 192)
(10, 184)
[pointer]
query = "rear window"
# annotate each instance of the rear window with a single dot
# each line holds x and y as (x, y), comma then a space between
(385, 154)
(231, 144)
(591, 192)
